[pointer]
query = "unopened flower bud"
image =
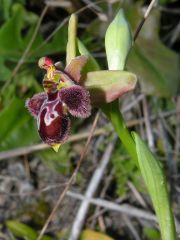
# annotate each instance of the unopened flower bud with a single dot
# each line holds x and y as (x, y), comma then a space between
(118, 42)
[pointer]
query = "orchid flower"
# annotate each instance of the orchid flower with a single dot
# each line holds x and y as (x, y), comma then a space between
(62, 96)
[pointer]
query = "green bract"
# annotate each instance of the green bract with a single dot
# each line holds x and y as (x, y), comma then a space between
(106, 86)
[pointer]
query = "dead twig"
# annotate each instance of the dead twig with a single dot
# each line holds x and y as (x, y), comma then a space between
(177, 139)
(123, 208)
(32, 193)
(152, 3)
(57, 3)
(98, 212)
(30, 149)
(149, 133)
(132, 103)
(131, 228)
(137, 195)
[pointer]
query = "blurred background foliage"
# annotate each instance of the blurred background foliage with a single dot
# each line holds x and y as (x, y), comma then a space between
(26, 34)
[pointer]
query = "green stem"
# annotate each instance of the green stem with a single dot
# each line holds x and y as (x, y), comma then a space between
(118, 123)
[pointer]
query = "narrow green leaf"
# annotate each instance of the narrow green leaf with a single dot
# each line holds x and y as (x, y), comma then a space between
(106, 86)
(12, 28)
(118, 42)
(21, 230)
(92, 64)
(71, 44)
(157, 188)
(151, 233)
(5, 8)
(5, 72)
(18, 127)
(12, 49)
(24, 231)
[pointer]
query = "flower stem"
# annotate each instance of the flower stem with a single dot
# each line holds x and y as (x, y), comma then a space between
(121, 129)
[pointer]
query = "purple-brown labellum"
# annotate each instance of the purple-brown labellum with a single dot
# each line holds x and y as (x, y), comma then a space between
(34, 104)
(77, 100)
(53, 123)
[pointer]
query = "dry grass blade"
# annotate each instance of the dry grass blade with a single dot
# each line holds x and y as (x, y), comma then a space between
(148, 124)
(152, 3)
(122, 208)
(38, 147)
(91, 189)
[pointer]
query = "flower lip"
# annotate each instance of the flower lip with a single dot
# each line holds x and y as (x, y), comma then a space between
(53, 123)
(52, 96)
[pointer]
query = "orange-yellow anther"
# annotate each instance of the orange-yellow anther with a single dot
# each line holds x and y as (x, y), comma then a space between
(47, 64)
(50, 72)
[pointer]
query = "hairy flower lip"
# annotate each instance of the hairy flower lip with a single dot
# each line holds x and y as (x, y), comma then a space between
(53, 123)
(61, 135)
